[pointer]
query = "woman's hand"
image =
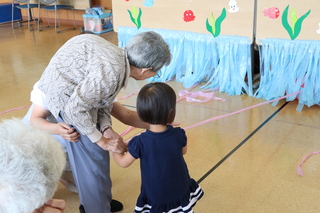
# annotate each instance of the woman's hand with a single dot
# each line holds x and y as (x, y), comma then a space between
(52, 206)
(38, 119)
(108, 132)
(66, 132)
(112, 141)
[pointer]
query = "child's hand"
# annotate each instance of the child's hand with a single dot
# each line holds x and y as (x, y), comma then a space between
(175, 124)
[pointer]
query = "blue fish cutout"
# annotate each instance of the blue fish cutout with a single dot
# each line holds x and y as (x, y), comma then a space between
(148, 3)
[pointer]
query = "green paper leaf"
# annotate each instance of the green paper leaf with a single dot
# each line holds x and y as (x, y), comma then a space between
(131, 17)
(293, 19)
(295, 30)
(285, 22)
(139, 18)
(298, 25)
(209, 27)
(134, 12)
(213, 26)
(219, 20)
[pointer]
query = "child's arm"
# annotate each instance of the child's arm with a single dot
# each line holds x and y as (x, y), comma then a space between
(184, 150)
(124, 160)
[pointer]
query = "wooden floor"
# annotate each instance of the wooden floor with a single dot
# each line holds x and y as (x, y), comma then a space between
(245, 162)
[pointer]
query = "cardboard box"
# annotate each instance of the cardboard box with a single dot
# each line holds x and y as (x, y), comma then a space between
(98, 23)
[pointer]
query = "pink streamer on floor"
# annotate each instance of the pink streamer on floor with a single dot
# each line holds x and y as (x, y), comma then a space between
(126, 131)
(9, 110)
(241, 110)
(193, 96)
(128, 96)
(299, 169)
(226, 115)
(184, 94)
(190, 97)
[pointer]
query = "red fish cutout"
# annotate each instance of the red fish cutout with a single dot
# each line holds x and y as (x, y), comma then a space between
(271, 12)
(188, 16)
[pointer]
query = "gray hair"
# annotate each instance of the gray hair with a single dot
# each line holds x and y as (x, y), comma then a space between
(31, 164)
(148, 49)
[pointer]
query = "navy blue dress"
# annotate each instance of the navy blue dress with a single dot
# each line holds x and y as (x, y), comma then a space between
(166, 183)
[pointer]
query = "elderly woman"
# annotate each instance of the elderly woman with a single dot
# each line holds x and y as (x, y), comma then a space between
(31, 163)
(78, 88)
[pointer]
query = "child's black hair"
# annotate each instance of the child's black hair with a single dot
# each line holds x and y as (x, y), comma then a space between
(156, 103)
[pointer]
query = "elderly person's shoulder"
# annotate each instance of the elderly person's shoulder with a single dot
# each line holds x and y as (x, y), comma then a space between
(89, 40)
(88, 36)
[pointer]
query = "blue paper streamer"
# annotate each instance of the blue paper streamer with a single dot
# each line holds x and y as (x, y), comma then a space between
(223, 62)
(288, 66)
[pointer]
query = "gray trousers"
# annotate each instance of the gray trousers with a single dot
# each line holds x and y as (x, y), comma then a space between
(91, 170)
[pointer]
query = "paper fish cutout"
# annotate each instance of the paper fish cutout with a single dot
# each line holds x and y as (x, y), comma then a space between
(148, 3)
(318, 31)
(188, 16)
(233, 6)
(271, 12)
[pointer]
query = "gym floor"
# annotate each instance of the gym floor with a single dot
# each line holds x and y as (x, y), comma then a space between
(245, 162)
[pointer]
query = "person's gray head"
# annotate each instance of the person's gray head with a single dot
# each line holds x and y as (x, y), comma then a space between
(31, 164)
(148, 50)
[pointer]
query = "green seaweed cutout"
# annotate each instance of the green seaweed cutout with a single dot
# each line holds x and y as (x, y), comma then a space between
(215, 28)
(135, 16)
(295, 30)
